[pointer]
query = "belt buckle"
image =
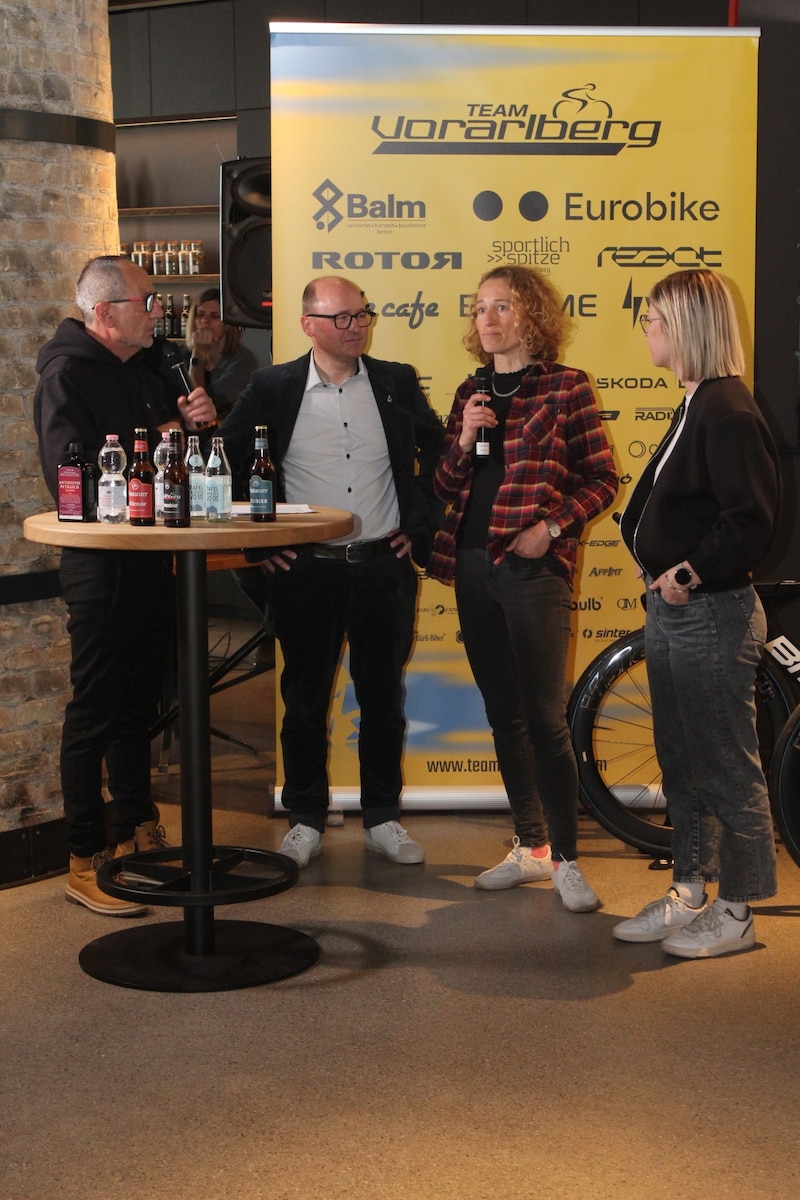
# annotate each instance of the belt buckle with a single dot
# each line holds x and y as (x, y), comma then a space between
(354, 546)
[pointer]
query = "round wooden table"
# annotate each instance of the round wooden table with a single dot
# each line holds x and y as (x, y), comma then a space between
(199, 954)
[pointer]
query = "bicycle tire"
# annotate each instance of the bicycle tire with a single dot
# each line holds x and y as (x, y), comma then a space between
(784, 785)
(611, 724)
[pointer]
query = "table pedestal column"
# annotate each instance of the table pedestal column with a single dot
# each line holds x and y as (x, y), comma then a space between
(198, 954)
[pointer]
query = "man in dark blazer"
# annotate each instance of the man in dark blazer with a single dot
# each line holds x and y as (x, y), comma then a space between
(354, 432)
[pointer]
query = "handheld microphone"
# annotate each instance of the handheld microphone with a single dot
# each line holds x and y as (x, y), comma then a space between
(482, 439)
(174, 367)
(174, 364)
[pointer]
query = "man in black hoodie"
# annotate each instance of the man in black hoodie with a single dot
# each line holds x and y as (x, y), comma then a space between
(96, 378)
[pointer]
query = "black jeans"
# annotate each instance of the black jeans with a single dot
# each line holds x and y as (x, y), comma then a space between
(515, 621)
(315, 606)
(120, 617)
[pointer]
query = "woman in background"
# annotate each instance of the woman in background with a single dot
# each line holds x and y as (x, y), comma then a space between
(215, 358)
(699, 520)
(509, 542)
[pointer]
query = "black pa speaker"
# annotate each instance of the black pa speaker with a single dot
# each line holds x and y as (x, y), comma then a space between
(245, 242)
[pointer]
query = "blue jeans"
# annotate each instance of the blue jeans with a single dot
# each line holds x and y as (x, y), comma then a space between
(701, 663)
(515, 621)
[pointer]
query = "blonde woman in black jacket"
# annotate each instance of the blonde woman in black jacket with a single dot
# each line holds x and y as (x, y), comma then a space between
(699, 521)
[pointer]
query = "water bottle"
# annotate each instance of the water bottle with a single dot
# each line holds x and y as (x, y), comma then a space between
(218, 483)
(159, 462)
(197, 478)
(112, 490)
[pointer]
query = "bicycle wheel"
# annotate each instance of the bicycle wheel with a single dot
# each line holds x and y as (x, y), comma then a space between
(784, 785)
(611, 723)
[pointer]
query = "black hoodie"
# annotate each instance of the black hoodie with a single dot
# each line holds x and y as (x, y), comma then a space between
(86, 392)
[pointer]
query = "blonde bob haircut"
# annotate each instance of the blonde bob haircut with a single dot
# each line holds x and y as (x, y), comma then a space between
(699, 323)
(539, 319)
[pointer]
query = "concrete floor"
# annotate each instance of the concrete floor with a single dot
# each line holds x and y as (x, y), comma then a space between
(449, 1043)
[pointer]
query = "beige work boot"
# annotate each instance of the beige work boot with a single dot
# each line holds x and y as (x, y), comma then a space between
(82, 888)
(147, 836)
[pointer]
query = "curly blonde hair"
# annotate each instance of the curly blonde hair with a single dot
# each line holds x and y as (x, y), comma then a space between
(540, 321)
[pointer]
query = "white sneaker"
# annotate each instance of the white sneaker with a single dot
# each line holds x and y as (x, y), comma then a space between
(575, 893)
(658, 919)
(391, 840)
(715, 931)
(518, 866)
(301, 844)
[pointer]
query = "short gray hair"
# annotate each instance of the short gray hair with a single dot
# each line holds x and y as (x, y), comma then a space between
(100, 279)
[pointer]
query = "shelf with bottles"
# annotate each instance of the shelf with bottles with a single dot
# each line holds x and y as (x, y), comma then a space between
(204, 280)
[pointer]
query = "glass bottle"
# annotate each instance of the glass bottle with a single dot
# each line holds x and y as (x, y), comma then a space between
(159, 462)
(185, 314)
(141, 483)
(197, 477)
(112, 490)
(184, 263)
(170, 326)
(176, 485)
(261, 484)
(146, 257)
(159, 265)
(196, 258)
(219, 492)
(171, 258)
(75, 500)
(160, 328)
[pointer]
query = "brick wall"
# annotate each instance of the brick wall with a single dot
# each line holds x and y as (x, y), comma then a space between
(58, 208)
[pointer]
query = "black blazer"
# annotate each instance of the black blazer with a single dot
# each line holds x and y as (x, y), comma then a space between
(414, 434)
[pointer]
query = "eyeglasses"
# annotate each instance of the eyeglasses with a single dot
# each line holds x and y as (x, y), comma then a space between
(645, 319)
(344, 320)
(148, 301)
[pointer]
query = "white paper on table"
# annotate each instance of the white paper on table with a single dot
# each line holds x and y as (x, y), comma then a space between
(241, 508)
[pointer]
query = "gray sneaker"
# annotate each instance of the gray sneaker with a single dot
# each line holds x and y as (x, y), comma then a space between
(518, 866)
(393, 841)
(658, 919)
(575, 892)
(301, 844)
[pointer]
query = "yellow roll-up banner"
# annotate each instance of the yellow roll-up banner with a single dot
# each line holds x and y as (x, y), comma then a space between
(413, 159)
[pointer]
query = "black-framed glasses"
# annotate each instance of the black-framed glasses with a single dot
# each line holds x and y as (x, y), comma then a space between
(344, 320)
(148, 301)
(645, 320)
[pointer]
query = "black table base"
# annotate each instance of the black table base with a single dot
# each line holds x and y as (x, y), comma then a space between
(154, 957)
(200, 954)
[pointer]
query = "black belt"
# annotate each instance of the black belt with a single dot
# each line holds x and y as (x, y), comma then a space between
(352, 552)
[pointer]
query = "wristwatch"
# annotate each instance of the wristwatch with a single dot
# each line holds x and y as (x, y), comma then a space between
(553, 528)
(683, 576)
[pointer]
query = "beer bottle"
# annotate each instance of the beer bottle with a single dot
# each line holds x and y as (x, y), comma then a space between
(171, 326)
(176, 485)
(141, 483)
(185, 314)
(262, 479)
